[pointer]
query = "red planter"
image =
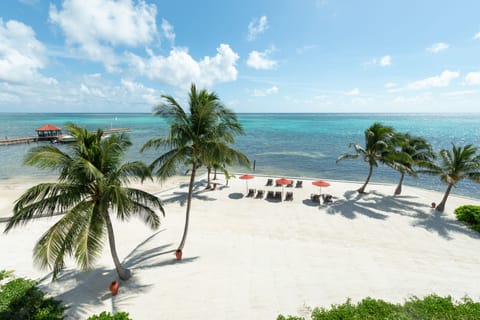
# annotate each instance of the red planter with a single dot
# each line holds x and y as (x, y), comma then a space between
(114, 287)
(178, 254)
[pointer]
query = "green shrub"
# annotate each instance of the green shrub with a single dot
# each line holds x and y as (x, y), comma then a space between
(107, 316)
(22, 299)
(469, 214)
(431, 307)
(5, 274)
(281, 317)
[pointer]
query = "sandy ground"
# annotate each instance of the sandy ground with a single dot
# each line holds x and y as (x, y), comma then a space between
(248, 258)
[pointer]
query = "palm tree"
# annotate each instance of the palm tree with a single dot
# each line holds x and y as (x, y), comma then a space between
(377, 145)
(195, 138)
(413, 152)
(90, 188)
(460, 163)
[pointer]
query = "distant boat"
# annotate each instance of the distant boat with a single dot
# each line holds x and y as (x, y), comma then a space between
(64, 138)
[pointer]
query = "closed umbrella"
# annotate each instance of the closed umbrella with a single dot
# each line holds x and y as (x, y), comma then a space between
(246, 177)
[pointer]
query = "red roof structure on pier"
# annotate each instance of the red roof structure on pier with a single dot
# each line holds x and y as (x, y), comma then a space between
(49, 127)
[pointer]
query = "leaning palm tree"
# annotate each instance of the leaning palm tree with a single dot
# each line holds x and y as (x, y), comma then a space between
(412, 152)
(195, 139)
(377, 145)
(460, 163)
(89, 190)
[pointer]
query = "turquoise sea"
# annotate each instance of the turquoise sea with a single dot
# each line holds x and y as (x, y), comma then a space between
(293, 145)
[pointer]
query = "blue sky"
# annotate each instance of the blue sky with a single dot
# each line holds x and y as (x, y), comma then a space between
(258, 56)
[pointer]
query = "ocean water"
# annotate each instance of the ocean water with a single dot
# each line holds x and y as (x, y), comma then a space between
(295, 145)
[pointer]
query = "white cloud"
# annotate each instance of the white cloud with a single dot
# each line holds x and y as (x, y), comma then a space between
(306, 48)
(459, 93)
(353, 92)
(473, 78)
(260, 60)
(437, 47)
(385, 61)
(256, 27)
(390, 85)
(265, 92)
(21, 54)
(179, 69)
(94, 26)
(443, 80)
(168, 32)
(476, 36)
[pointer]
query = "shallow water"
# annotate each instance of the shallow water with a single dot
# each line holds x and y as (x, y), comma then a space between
(280, 144)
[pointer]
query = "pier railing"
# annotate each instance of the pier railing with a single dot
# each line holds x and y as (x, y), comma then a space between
(10, 141)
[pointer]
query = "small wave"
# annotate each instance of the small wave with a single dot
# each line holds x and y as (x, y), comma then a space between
(304, 154)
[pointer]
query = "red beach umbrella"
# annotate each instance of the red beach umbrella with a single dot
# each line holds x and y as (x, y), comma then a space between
(283, 182)
(246, 177)
(321, 183)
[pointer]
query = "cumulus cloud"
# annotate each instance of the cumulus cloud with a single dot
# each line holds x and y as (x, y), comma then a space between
(473, 78)
(21, 54)
(390, 85)
(353, 92)
(256, 27)
(168, 32)
(260, 60)
(179, 69)
(265, 92)
(442, 80)
(476, 36)
(94, 26)
(385, 61)
(438, 47)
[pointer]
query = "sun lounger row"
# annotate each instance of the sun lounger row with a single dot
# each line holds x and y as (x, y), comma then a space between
(327, 198)
(299, 184)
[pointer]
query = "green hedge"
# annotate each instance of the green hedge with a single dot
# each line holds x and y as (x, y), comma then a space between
(107, 316)
(21, 299)
(469, 214)
(431, 307)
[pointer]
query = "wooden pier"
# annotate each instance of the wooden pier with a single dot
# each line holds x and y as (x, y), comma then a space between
(11, 141)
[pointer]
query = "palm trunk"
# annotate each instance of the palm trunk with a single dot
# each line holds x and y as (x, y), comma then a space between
(362, 189)
(214, 173)
(441, 205)
(189, 202)
(123, 273)
(209, 169)
(398, 190)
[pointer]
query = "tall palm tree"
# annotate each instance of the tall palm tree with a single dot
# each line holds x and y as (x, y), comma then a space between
(412, 152)
(90, 188)
(195, 138)
(460, 163)
(377, 145)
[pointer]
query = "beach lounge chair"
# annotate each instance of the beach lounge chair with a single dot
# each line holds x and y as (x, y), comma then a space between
(251, 193)
(315, 197)
(327, 198)
(290, 184)
(278, 195)
(260, 194)
(299, 184)
(289, 196)
(269, 182)
(270, 195)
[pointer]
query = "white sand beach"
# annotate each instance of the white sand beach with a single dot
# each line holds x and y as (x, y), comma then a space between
(248, 258)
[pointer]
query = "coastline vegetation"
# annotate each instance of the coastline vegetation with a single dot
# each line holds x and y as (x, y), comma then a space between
(90, 188)
(413, 155)
(201, 137)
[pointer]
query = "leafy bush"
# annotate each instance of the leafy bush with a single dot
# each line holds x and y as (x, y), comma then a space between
(469, 214)
(431, 307)
(5, 274)
(107, 316)
(22, 299)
